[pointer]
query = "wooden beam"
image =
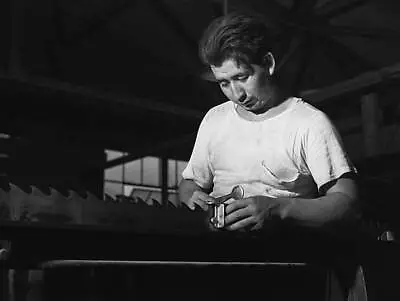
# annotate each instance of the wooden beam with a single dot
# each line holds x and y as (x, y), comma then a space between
(17, 28)
(370, 112)
(303, 7)
(352, 61)
(353, 31)
(388, 139)
(94, 97)
(97, 23)
(164, 180)
(306, 54)
(296, 42)
(348, 125)
(334, 8)
(164, 12)
(342, 57)
(352, 85)
(151, 150)
(273, 11)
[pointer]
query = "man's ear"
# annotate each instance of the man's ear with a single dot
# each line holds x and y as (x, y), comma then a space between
(269, 63)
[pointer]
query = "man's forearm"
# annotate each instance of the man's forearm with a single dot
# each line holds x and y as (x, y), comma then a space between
(328, 209)
(186, 189)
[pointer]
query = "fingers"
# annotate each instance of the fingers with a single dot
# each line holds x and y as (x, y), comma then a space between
(201, 199)
(237, 215)
(241, 224)
(235, 205)
(248, 213)
(201, 203)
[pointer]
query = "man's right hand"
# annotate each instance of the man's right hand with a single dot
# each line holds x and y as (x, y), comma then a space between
(201, 199)
(191, 194)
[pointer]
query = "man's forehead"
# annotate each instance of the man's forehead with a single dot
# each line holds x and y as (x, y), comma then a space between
(228, 63)
(228, 68)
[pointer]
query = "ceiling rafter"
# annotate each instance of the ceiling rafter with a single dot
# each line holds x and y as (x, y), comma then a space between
(345, 70)
(338, 7)
(94, 97)
(349, 61)
(177, 27)
(293, 48)
(354, 84)
(301, 7)
(152, 149)
(371, 33)
(97, 24)
(272, 10)
(304, 63)
(175, 24)
(219, 7)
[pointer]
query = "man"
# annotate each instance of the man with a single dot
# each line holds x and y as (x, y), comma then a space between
(285, 153)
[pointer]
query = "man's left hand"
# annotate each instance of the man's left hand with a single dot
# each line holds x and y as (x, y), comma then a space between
(250, 213)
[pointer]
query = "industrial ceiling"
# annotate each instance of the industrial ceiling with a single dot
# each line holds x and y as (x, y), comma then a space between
(125, 75)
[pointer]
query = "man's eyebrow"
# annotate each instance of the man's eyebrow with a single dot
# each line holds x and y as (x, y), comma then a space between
(220, 80)
(235, 76)
(240, 74)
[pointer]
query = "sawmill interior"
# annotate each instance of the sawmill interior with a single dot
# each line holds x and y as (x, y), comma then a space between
(101, 103)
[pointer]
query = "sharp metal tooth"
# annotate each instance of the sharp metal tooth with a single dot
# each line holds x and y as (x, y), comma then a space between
(149, 202)
(5, 205)
(140, 201)
(109, 198)
(197, 208)
(185, 207)
(17, 201)
(91, 197)
(64, 206)
(77, 203)
(174, 201)
(40, 195)
(119, 198)
(130, 200)
(172, 204)
(38, 203)
(94, 210)
(156, 203)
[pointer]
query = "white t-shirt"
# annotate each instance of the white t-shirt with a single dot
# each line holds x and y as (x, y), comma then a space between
(289, 155)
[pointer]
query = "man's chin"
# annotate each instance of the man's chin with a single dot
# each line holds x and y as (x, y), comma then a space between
(254, 106)
(257, 109)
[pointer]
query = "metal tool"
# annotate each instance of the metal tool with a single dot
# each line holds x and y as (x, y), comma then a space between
(218, 206)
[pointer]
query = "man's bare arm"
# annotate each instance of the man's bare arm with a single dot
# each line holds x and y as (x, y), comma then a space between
(190, 193)
(339, 204)
(186, 190)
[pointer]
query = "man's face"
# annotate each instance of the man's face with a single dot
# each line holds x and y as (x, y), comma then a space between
(250, 88)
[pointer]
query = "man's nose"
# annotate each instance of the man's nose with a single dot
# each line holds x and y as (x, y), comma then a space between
(238, 93)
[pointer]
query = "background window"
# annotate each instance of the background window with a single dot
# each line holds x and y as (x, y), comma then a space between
(133, 171)
(113, 189)
(141, 178)
(151, 171)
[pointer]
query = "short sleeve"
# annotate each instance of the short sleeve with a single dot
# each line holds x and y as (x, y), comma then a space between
(198, 168)
(325, 155)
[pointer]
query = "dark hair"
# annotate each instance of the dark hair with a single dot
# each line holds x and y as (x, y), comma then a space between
(244, 38)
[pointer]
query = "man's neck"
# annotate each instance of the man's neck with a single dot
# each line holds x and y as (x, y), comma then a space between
(281, 102)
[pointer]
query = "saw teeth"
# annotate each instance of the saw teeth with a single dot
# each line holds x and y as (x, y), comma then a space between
(85, 208)
(5, 205)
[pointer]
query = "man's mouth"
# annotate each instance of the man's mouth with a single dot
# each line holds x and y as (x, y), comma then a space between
(250, 103)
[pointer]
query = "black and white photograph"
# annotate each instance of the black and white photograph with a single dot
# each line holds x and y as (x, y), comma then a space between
(199, 150)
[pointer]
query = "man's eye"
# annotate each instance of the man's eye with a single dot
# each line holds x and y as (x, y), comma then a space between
(243, 77)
